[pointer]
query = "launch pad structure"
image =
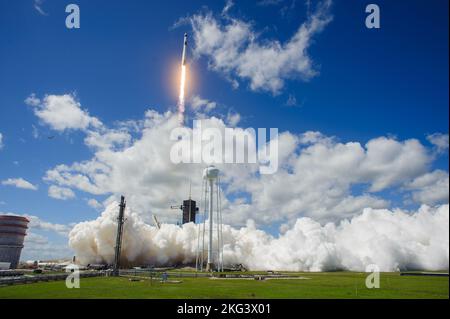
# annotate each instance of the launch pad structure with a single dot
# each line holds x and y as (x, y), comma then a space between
(118, 247)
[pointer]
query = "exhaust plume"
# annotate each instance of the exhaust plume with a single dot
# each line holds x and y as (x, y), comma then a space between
(182, 83)
(394, 240)
(181, 96)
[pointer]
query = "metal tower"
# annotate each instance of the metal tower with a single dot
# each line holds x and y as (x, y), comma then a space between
(120, 221)
(212, 209)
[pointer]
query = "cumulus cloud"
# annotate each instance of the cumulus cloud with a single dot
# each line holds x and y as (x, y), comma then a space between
(430, 188)
(200, 104)
(1, 141)
(39, 224)
(320, 173)
(62, 193)
(94, 203)
(317, 180)
(394, 240)
(233, 118)
(107, 139)
(19, 183)
(235, 49)
(323, 188)
(39, 247)
(62, 112)
(440, 141)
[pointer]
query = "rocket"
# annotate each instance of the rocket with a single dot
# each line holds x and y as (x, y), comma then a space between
(183, 57)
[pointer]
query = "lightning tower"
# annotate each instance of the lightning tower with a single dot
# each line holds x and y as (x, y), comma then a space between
(211, 205)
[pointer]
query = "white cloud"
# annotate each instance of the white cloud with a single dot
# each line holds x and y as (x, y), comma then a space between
(32, 100)
(233, 118)
(265, 3)
(62, 112)
(39, 224)
(389, 162)
(34, 132)
(430, 188)
(62, 193)
(94, 203)
(38, 6)
(440, 141)
(107, 139)
(292, 100)
(229, 4)
(316, 177)
(19, 183)
(234, 48)
(1, 141)
(200, 104)
(39, 247)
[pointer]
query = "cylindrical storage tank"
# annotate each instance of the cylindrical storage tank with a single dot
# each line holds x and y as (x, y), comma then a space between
(12, 234)
(211, 172)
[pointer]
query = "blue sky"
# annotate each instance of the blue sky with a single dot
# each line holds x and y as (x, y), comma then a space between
(391, 81)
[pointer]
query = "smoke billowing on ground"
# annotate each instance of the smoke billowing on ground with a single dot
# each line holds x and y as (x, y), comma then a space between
(393, 240)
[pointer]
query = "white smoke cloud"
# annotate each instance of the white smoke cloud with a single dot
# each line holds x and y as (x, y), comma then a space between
(315, 184)
(394, 240)
(235, 49)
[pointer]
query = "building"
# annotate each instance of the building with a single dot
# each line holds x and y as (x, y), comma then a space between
(189, 211)
(12, 234)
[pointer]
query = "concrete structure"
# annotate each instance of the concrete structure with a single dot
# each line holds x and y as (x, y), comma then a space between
(12, 234)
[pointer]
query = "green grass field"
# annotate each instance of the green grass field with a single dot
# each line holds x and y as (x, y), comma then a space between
(319, 285)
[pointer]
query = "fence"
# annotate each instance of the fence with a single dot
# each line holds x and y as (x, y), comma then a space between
(53, 277)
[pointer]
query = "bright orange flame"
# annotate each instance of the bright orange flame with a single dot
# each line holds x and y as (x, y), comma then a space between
(181, 97)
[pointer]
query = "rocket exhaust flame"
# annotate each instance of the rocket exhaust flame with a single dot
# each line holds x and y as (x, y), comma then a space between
(181, 102)
(181, 97)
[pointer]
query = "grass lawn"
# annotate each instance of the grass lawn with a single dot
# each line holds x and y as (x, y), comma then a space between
(319, 285)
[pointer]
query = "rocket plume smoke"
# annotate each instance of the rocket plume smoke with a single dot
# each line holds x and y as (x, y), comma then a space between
(181, 96)
(394, 240)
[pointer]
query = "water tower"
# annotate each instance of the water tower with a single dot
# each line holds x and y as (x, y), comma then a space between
(211, 209)
(12, 235)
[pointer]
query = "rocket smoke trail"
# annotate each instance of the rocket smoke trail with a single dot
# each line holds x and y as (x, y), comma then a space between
(182, 83)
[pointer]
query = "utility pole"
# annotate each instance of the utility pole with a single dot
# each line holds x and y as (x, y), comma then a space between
(120, 221)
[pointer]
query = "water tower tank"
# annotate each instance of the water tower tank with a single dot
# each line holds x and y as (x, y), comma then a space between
(211, 172)
(12, 234)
